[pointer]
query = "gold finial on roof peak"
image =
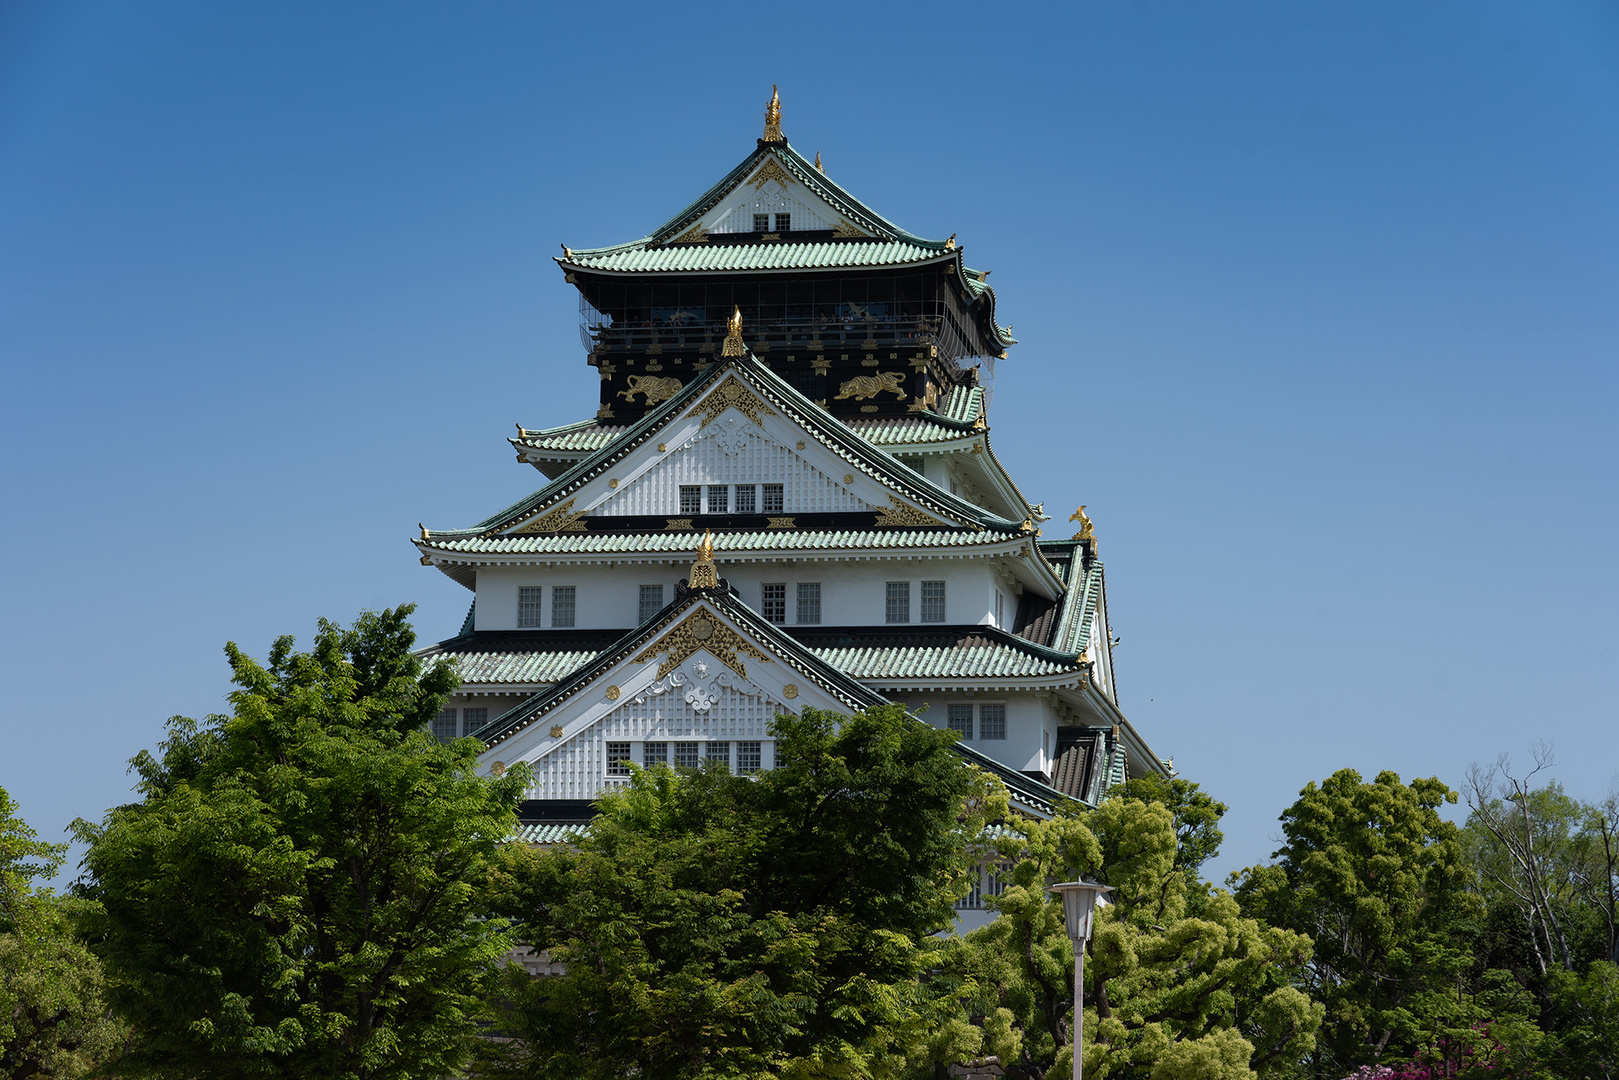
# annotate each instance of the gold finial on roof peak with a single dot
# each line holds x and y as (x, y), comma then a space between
(773, 117)
(733, 335)
(1085, 530)
(818, 166)
(703, 574)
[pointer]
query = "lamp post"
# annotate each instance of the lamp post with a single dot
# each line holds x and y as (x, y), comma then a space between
(1078, 903)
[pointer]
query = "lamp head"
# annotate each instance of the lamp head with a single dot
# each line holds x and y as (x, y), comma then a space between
(1078, 903)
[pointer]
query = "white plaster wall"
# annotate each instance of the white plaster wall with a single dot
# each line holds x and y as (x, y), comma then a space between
(1031, 724)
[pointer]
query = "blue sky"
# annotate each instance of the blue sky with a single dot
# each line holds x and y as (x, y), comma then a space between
(1317, 303)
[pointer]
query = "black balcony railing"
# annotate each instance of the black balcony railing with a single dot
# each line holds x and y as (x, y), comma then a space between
(844, 334)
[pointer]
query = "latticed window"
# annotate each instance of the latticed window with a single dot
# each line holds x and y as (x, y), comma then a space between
(997, 876)
(992, 721)
(784, 222)
(529, 600)
(960, 719)
(691, 498)
(654, 753)
(686, 755)
(444, 725)
(747, 498)
(773, 502)
(774, 605)
(562, 597)
(749, 757)
(651, 601)
(720, 752)
(618, 759)
(809, 602)
(899, 601)
(473, 719)
(933, 601)
(761, 222)
(719, 499)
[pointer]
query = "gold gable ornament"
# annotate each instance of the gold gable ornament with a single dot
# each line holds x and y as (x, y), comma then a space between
(733, 335)
(703, 574)
(702, 631)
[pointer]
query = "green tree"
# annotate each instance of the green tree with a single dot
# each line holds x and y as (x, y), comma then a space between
(1178, 982)
(1379, 882)
(53, 1020)
(779, 925)
(300, 890)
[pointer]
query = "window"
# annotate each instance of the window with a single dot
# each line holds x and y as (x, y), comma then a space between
(720, 752)
(960, 719)
(774, 606)
(933, 601)
(444, 725)
(473, 719)
(686, 755)
(691, 498)
(618, 759)
(562, 605)
(761, 222)
(745, 499)
(784, 222)
(899, 601)
(655, 753)
(719, 499)
(651, 601)
(992, 721)
(528, 605)
(809, 601)
(773, 502)
(748, 757)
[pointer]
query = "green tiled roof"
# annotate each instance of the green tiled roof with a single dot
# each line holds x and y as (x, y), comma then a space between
(989, 660)
(680, 542)
(547, 832)
(545, 666)
(637, 257)
(582, 437)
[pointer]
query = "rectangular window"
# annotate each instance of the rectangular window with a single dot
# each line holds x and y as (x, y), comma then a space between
(651, 601)
(748, 757)
(654, 753)
(746, 503)
(774, 606)
(720, 752)
(761, 222)
(960, 718)
(562, 605)
(992, 721)
(899, 602)
(529, 598)
(444, 725)
(809, 602)
(719, 499)
(933, 601)
(773, 502)
(784, 222)
(618, 759)
(686, 755)
(691, 498)
(473, 719)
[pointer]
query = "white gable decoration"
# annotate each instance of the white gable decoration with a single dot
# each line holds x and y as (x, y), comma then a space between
(769, 189)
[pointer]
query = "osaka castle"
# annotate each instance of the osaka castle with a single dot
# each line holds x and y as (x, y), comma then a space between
(788, 498)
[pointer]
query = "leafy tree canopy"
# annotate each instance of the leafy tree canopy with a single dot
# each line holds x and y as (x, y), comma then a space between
(299, 890)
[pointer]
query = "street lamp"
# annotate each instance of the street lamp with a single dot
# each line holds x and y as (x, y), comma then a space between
(1078, 903)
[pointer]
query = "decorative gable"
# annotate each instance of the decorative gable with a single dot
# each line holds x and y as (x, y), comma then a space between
(773, 191)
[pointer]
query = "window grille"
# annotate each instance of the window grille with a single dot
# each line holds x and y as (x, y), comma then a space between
(746, 499)
(761, 222)
(651, 601)
(655, 753)
(529, 598)
(686, 755)
(562, 597)
(809, 602)
(691, 499)
(720, 752)
(749, 757)
(992, 721)
(784, 222)
(899, 601)
(444, 725)
(719, 499)
(618, 759)
(473, 719)
(960, 718)
(773, 502)
(933, 601)
(996, 878)
(974, 900)
(774, 606)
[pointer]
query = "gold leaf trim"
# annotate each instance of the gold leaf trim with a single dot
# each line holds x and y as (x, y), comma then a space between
(700, 630)
(899, 512)
(770, 170)
(561, 519)
(790, 691)
(694, 235)
(864, 387)
(780, 523)
(677, 523)
(613, 693)
(731, 394)
(844, 228)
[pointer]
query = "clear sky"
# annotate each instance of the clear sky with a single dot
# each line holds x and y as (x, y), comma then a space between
(1319, 307)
